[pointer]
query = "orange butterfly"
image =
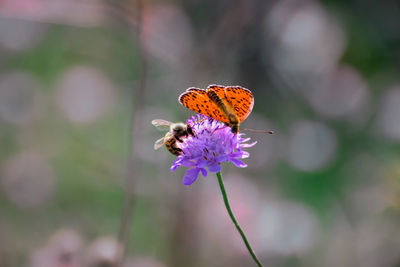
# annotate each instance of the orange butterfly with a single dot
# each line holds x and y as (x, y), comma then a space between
(228, 104)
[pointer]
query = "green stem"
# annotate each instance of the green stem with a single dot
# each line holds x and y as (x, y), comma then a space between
(228, 207)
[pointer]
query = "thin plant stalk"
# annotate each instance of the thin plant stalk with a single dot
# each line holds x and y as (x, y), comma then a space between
(138, 102)
(228, 208)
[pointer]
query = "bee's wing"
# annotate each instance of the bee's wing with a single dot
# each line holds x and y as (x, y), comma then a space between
(161, 125)
(159, 143)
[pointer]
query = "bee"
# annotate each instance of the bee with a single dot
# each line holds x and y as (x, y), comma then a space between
(176, 131)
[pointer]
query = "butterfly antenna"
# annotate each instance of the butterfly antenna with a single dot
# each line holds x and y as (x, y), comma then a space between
(258, 131)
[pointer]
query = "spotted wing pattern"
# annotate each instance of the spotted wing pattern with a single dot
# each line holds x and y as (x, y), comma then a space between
(219, 89)
(240, 100)
(197, 100)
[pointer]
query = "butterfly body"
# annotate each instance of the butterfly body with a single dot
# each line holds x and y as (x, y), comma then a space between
(228, 104)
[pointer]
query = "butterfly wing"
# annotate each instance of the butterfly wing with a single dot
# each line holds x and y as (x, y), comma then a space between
(197, 100)
(219, 89)
(239, 99)
(161, 125)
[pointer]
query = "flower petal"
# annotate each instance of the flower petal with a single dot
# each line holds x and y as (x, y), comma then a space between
(221, 158)
(203, 172)
(202, 163)
(245, 155)
(188, 163)
(190, 176)
(236, 155)
(249, 145)
(214, 167)
(174, 167)
(239, 163)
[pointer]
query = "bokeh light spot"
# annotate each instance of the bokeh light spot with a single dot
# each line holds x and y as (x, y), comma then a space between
(28, 180)
(312, 145)
(84, 94)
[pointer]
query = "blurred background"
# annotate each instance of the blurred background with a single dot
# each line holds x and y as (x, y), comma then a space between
(75, 76)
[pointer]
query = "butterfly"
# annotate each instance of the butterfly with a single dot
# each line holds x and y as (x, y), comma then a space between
(228, 104)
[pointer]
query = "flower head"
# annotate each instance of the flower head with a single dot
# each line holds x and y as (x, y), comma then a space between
(212, 144)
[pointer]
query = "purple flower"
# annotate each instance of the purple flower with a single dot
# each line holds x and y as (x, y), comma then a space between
(212, 144)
